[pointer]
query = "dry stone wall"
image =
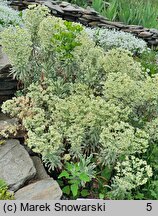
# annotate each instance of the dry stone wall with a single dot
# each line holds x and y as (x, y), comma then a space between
(91, 18)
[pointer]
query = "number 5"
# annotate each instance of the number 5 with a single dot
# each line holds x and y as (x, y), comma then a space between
(149, 206)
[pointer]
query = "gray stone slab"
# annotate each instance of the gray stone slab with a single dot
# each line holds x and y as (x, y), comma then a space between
(53, 7)
(16, 167)
(47, 189)
(40, 170)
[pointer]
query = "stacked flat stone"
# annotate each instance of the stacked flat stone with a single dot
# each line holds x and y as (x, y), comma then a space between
(91, 18)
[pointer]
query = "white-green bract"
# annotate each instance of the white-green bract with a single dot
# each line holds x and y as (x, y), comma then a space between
(131, 173)
(8, 16)
(109, 39)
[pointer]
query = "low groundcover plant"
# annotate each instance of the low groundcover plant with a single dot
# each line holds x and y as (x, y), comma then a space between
(109, 39)
(8, 17)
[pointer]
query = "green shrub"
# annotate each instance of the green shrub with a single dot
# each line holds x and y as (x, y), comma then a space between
(67, 122)
(77, 119)
(31, 58)
(32, 18)
(140, 96)
(18, 46)
(121, 139)
(53, 48)
(82, 124)
(121, 61)
(59, 36)
(88, 63)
